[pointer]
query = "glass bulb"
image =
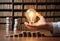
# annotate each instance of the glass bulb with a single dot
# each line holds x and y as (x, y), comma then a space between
(31, 15)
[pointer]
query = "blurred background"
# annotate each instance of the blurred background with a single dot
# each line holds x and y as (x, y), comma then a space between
(15, 9)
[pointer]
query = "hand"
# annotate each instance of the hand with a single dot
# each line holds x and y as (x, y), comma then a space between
(38, 25)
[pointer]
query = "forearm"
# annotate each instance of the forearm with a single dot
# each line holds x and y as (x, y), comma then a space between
(54, 27)
(49, 26)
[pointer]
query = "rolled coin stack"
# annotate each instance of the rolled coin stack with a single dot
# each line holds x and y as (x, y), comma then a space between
(28, 34)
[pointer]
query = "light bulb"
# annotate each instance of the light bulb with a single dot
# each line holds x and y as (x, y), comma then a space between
(31, 15)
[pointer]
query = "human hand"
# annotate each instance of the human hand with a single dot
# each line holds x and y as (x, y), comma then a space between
(38, 25)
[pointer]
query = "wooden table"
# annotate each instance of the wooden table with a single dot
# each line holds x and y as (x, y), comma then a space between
(3, 38)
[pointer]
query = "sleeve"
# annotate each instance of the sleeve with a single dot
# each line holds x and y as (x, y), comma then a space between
(56, 27)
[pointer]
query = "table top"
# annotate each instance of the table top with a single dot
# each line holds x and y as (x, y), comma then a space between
(3, 38)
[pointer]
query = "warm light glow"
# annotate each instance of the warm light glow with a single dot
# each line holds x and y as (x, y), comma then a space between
(31, 15)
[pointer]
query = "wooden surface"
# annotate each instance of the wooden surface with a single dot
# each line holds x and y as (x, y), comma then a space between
(3, 38)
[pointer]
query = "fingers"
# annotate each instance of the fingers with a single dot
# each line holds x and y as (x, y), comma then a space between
(37, 24)
(25, 23)
(31, 25)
